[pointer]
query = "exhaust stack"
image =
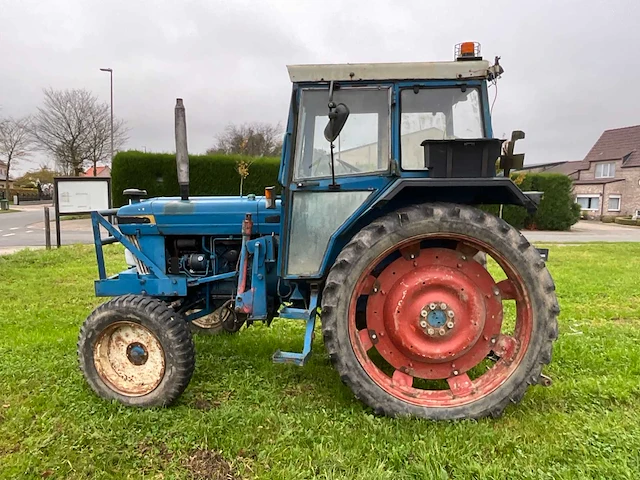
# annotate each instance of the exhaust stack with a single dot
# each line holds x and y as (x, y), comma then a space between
(182, 153)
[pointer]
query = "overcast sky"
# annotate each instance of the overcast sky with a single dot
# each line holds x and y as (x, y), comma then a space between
(569, 65)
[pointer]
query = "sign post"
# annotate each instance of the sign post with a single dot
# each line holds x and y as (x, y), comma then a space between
(78, 195)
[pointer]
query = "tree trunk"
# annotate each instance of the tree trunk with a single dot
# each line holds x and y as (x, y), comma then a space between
(6, 183)
(95, 167)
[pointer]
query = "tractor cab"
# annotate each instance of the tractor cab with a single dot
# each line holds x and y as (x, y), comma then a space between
(376, 229)
(365, 138)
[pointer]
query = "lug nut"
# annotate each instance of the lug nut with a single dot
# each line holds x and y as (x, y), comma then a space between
(423, 324)
(456, 372)
(443, 306)
(450, 313)
(424, 313)
(431, 331)
(432, 306)
(450, 324)
(442, 331)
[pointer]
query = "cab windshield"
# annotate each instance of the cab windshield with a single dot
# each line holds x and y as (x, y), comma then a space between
(437, 114)
(363, 144)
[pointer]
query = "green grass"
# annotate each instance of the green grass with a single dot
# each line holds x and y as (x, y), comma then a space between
(244, 415)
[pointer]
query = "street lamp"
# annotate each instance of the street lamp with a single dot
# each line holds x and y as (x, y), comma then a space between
(111, 81)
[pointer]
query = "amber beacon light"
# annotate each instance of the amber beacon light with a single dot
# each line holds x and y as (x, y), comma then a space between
(467, 51)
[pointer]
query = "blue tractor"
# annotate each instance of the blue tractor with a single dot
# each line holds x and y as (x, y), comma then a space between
(430, 306)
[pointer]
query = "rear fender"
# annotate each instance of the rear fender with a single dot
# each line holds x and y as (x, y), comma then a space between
(405, 192)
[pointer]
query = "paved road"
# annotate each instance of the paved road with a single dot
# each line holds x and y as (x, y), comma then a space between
(584, 231)
(26, 228)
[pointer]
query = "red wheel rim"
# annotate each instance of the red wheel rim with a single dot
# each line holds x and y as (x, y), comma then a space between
(435, 314)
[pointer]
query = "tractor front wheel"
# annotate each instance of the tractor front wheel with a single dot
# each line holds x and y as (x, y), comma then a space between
(416, 325)
(136, 350)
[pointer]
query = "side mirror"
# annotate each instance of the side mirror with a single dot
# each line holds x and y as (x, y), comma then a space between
(337, 118)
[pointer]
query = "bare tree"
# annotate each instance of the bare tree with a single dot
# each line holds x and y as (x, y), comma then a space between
(251, 139)
(99, 142)
(74, 128)
(14, 143)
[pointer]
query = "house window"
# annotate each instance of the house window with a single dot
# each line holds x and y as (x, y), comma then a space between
(605, 170)
(588, 202)
(614, 203)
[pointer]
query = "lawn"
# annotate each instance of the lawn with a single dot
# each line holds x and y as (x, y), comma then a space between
(243, 417)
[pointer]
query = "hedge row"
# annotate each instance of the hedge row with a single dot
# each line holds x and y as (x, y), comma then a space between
(217, 175)
(626, 221)
(209, 174)
(557, 209)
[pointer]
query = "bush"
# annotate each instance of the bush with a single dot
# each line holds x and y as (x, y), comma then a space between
(23, 194)
(557, 209)
(209, 174)
(626, 221)
(217, 175)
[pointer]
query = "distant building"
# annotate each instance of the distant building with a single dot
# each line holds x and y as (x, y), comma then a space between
(100, 172)
(607, 181)
(3, 176)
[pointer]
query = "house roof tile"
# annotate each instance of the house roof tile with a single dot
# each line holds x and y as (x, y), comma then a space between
(89, 172)
(616, 144)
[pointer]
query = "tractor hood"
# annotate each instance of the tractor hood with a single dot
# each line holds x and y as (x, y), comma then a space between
(199, 216)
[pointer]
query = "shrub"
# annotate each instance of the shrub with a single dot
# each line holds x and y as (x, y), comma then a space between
(209, 174)
(557, 209)
(217, 175)
(626, 221)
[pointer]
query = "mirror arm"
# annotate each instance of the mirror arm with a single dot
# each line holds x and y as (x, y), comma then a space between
(333, 185)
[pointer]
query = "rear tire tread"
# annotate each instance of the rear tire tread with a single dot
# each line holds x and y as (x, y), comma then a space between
(361, 385)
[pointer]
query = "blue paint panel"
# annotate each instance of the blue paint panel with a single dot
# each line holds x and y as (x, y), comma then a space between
(254, 300)
(129, 282)
(201, 216)
(153, 247)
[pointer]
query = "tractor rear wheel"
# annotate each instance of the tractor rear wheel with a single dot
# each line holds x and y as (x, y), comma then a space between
(136, 350)
(415, 325)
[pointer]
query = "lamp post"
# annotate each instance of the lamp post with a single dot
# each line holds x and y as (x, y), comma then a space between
(111, 81)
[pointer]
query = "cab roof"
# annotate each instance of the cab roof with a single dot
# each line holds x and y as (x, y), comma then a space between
(469, 69)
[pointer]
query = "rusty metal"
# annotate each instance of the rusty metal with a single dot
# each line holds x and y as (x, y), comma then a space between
(437, 285)
(129, 359)
(410, 287)
(247, 228)
(544, 380)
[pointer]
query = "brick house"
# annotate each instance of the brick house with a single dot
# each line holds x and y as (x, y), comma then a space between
(607, 181)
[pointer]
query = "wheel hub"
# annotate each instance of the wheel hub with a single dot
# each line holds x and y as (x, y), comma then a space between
(137, 353)
(434, 314)
(130, 358)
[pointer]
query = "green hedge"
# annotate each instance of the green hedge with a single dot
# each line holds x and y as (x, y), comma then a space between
(217, 175)
(209, 174)
(557, 209)
(626, 221)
